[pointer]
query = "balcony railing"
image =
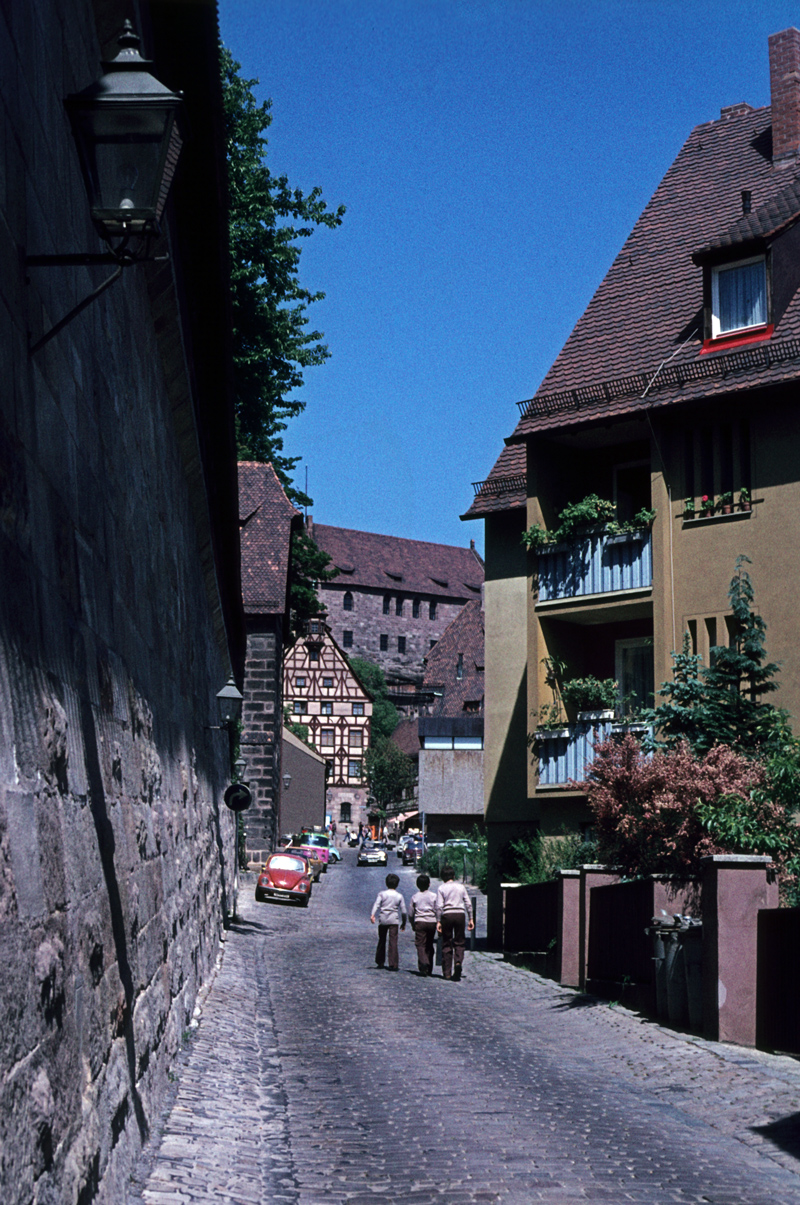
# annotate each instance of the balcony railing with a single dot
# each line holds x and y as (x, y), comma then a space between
(599, 564)
(564, 754)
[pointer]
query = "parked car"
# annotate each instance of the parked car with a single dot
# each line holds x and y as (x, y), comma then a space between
(459, 843)
(311, 855)
(333, 855)
(412, 851)
(285, 876)
(320, 842)
(374, 854)
(402, 842)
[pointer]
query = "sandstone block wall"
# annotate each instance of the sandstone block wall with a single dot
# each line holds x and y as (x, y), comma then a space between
(114, 850)
(261, 724)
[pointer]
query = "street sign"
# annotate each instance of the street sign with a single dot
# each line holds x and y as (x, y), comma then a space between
(237, 797)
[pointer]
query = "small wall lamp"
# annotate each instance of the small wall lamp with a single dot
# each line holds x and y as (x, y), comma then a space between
(240, 765)
(128, 139)
(229, 702)
(287, 778)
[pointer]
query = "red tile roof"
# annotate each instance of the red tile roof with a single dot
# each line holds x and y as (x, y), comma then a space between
(406, 737)
(365, 559)
(265, 520)
(464, 638)
(638, 343)
(506, 486)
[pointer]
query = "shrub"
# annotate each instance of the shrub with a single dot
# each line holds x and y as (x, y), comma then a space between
(648, 811)
(590, 694)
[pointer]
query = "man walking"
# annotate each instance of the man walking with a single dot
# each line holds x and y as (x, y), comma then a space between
(389, 910)
(453, 917)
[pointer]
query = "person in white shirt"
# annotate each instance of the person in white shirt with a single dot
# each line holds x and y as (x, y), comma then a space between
(389, 910)
(422, 912)
(453, 916)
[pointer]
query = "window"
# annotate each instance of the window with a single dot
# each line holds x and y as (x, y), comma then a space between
(299, 707)
(634, 671)
(300, 683)
(326, 738)
(314, 627)
(738, 296)
(358, 709)
(328, 768)
(401, 644)
(326, 708)
(356, 738)
(354, 768)
(387, 604)
(415, 608)
(313, 656)
(384, 643)
(460, 666)
(432, 609)
(327, 683)
(398, 605)
(344, 813)
(347, 601)
(347, 640)
(717, 461)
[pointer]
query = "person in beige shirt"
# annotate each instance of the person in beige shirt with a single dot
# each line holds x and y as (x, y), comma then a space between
(453, 918)
(389, 910)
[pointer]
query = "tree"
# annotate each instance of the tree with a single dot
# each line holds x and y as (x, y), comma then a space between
(385, 717)
(271, 346)
(721, 703)
(307, 567)
(390, 773)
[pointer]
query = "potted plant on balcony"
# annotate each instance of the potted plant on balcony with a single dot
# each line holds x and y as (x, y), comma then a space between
(580, 519)
(688, 508)
(707, 506)
(592, 698)
(744, 498)
(725, 503)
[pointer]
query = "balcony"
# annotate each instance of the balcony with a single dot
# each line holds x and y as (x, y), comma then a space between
(599, 564)
(564, 753)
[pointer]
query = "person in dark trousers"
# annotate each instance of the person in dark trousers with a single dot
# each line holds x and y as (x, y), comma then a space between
(389, 910)
(453, 915)
(422, 912)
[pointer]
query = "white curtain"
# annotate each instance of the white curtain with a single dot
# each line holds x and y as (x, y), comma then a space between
(742, 296)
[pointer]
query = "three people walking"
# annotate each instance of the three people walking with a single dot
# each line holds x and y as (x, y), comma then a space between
(448, 912)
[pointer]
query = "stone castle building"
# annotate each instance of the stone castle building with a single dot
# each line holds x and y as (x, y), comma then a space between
(392, 599)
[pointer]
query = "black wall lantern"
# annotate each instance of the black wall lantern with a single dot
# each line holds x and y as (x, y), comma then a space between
(128, 138)
(128, 141)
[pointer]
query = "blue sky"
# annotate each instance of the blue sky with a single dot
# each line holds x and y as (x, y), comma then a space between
(492, 155)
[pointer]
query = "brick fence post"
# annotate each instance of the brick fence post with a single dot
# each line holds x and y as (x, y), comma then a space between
(568, 971)
(735, 886)
(591, 876)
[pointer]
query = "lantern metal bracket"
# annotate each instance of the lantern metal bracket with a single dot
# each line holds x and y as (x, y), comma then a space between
(121, 255)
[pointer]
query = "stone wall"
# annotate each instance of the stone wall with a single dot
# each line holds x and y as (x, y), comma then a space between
(115, 853)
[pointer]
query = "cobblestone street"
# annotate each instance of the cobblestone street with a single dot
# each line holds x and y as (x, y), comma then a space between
(313, 1078)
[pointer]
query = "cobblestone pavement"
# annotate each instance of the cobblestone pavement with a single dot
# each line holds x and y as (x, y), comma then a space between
(316, 1079)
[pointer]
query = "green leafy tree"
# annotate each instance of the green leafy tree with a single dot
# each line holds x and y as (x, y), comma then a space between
(308, 567)
(385, 717)
(391, 774)
(271, 343)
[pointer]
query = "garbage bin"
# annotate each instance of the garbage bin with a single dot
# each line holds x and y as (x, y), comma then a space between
(678, 967)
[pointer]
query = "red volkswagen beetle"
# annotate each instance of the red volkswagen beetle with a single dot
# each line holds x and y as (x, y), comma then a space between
(285, 876)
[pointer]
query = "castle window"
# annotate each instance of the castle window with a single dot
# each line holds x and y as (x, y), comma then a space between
(415, 609)
(347, 640)
(384, 642)
(344, 813)
(347, 601)
(401, 644)
(398, 605)
(460, 666)
(387, 603)
(432, 609)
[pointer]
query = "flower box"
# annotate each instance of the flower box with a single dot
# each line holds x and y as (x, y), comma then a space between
(596, 717)
(551, 734)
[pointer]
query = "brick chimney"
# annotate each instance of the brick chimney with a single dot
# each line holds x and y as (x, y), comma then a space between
(784, 79)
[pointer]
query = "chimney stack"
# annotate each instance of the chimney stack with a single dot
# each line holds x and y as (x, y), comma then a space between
(784, 79)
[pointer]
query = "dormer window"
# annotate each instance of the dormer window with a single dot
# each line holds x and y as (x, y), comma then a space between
(738, 296)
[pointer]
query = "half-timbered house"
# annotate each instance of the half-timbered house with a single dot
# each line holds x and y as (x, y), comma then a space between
(325, 696)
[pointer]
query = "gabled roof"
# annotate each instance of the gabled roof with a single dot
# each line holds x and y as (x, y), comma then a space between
(464, 638)
(760, 225)
(265, 518)
(639, 341)
(506, 486)
(392, 563)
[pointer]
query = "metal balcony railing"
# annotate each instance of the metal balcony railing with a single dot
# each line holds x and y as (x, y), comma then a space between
(565, 753)
(598, 564)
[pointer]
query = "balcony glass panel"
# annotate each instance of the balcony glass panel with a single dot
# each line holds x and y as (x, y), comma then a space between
(600, 564)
